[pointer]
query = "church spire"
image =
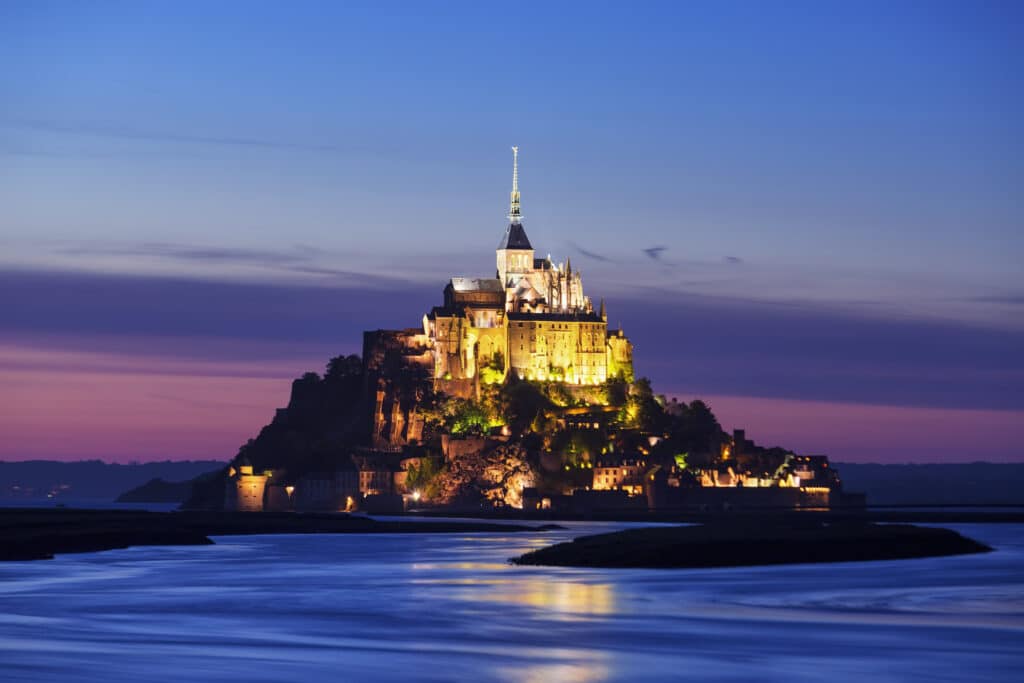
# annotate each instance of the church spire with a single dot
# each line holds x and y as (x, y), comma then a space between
(513, 212)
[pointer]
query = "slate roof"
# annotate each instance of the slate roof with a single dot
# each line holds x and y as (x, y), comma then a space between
(474, 284)
(557, 317)
(515, 238)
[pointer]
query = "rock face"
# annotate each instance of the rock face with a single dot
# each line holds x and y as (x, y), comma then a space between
(325, 418)
(496, 474)
(397, 368)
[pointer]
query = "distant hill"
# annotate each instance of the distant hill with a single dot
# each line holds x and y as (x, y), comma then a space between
(158, 491)
(979, 483)
(29, 480)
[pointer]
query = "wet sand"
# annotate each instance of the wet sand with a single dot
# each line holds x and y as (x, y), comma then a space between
(35, 534)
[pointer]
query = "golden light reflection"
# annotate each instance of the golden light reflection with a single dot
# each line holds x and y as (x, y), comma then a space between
(490, 583)
(464, 566)
(572, 672)
(564, 598)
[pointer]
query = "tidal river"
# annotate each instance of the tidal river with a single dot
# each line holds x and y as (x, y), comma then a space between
(448, 607)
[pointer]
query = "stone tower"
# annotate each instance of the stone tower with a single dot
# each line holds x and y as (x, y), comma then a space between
(515, 253)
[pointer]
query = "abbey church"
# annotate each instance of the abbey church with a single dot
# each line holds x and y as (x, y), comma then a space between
(531, 320)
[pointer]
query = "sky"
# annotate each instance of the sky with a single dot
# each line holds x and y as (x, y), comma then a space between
(808, 214)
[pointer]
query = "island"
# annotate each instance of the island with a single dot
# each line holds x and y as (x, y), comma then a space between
(515, 397)
(517, 392)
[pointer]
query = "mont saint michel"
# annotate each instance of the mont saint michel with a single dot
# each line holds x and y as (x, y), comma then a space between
(529, 342)
(514, 392)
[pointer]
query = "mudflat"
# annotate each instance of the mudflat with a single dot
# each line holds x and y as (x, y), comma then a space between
(34, 534)
(752, 542)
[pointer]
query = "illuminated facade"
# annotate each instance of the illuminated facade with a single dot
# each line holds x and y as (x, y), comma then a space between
(245, 489)
(620, 475)
(532, 320)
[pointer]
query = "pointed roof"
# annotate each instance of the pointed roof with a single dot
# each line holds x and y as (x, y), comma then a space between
(515, 238)
(513, 211)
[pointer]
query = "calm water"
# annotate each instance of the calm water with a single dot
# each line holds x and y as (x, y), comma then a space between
(448, 607)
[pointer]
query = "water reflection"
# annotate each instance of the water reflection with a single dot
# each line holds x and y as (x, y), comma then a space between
(449, 607)
(492, 582)
(546, 673)
(560, 598)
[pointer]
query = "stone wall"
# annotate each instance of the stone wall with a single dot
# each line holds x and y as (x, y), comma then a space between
(398, 368)
(455, 447)
(244, 492)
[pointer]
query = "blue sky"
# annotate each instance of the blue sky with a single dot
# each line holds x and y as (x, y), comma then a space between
(857, 166)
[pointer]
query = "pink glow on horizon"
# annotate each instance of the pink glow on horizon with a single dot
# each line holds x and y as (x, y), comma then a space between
(71, 405)
(854, 432)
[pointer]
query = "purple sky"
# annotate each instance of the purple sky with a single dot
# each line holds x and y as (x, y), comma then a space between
(809, 213)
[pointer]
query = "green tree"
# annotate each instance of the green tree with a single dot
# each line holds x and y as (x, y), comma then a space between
(424, 477)
(343, 366)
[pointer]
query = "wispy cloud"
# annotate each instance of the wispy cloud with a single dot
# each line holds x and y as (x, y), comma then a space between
(748, 347)
(655, 253)
(733, 260)
(190, 253)
(128, 133)
(1006, 299)
(297, 260)
(591, 254)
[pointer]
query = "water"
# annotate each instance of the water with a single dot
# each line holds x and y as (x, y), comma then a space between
(448, 607)
(84, 504)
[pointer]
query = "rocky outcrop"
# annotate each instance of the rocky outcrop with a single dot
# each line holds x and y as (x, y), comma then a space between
(398, 366)
(497, 474)
(325, 419)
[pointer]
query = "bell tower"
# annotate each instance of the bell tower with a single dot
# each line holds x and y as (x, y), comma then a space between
(514, 254)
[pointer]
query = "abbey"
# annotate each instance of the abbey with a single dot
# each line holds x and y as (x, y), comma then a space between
(512, 391)
(531, 319)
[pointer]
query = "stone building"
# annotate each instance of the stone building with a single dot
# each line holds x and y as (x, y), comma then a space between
(334, 491)
(377, 472)
(620, 474)
(244, 489)
(531, 320)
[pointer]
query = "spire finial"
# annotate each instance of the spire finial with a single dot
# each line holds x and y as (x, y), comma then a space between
(513, 212)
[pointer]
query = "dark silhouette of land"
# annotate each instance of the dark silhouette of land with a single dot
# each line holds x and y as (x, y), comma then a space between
(976, 483)
(161, 491)
(35, 534)
(90, 479)
(751, 541)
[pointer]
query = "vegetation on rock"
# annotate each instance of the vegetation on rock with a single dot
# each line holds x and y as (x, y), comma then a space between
(527, 438)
